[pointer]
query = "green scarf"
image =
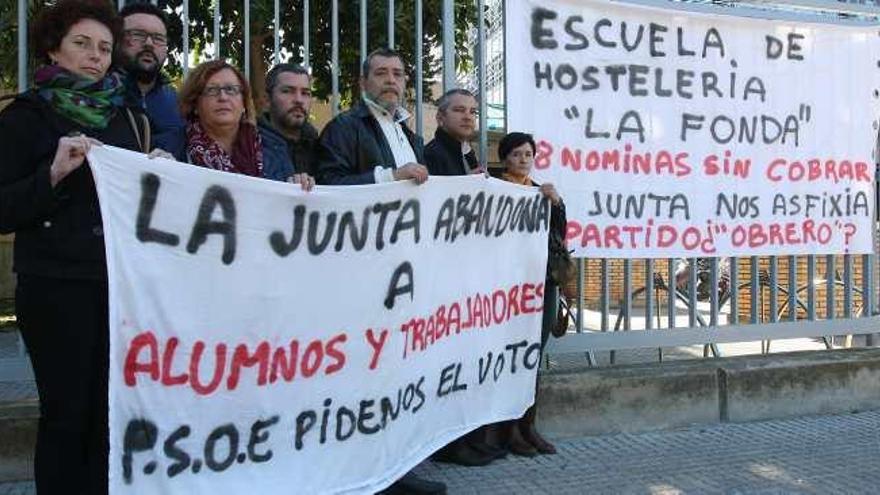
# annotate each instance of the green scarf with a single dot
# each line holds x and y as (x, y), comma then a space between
(87, 102)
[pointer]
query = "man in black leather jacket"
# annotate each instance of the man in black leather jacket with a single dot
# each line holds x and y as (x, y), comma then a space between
(370, 143)
(450, 153)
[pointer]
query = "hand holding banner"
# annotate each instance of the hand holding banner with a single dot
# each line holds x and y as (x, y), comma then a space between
(268, 340)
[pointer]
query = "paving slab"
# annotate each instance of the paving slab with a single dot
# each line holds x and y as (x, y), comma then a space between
(810, 455)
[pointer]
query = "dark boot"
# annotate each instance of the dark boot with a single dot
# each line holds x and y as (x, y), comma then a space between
(485, 448)
(516, 444)
(461, 453)
(526, 426)
(410, 484)
(478, 441)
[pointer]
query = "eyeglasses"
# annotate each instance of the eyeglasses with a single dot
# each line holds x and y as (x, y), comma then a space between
(229, 90)
(140, 36)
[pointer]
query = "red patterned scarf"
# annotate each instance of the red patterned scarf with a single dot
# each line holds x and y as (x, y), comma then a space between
(246, 157)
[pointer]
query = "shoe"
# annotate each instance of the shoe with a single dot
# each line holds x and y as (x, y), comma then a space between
(410, 484)
(526, 426)
(485, 448)
(479, 440)
(517, 445)
(459, 452)
(532, 436)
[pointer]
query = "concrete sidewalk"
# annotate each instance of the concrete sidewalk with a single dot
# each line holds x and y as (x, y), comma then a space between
(814, 455)
(825, 454)
(821, 454)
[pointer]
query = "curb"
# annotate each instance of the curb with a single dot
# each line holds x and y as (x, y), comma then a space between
(629, 399)
(646, 397)
(18, 429)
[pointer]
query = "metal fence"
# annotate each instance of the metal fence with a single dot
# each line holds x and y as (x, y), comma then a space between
(696, 302)
(631, 304)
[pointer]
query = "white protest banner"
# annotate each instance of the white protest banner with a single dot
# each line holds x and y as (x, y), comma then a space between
(679, 134)
(265, 340)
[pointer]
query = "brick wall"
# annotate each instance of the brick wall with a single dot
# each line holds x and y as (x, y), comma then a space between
(593, 283)
(593, 280)
(819, 277)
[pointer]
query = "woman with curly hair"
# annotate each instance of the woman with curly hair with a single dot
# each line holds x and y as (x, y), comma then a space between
(48, 199)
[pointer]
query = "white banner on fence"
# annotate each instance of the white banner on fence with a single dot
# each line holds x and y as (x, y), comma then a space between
(264, 340)
(674, 134)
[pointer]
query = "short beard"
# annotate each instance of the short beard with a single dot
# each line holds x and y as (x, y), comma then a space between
(140, 74)
(286, 124)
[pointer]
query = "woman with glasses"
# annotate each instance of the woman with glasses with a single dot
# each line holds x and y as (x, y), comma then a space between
(48, 199)
(220, 130)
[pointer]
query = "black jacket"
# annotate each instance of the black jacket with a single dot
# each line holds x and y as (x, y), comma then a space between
(443, 156)
(58, 232)
(558, 219)
(352, 145)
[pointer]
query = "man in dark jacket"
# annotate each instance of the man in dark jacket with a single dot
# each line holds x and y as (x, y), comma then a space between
(288, 87)
(370, 143)
(450, 152)
(141, 54)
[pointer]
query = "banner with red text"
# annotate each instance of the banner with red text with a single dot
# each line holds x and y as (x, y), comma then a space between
(266, 340)
(678, 134)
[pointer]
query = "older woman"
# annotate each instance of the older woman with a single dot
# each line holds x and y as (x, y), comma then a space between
(517, 153)
(221, 132)
(48, 199)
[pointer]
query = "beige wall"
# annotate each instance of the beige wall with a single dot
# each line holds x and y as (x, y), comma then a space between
(7, 278)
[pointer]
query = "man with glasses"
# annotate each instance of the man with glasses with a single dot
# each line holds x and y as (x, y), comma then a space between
(140, 55)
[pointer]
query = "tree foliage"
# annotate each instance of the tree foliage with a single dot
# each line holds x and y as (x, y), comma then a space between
(201, 29)
(320, 36)
(9, 41)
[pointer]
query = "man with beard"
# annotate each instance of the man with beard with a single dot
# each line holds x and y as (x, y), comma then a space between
(140, 56)
(370, 143)
(288, 88)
